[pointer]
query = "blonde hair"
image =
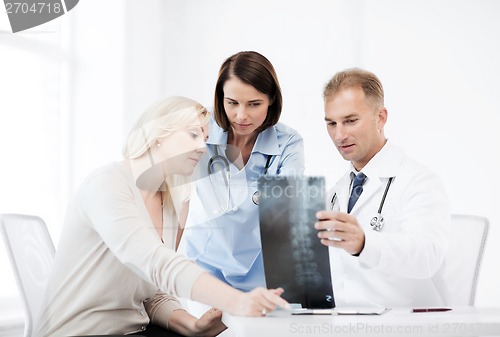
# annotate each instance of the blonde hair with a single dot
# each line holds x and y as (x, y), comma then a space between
(160, 120)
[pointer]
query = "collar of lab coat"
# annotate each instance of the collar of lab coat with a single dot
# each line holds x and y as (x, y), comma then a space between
(383, 165)
(266, 143)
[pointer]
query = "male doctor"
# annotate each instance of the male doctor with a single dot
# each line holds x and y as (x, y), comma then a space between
(389, 220)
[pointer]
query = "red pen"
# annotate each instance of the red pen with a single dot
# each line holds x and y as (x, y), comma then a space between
(431, 310)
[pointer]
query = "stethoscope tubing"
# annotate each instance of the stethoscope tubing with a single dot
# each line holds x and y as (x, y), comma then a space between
(217, 158)
(385, 194)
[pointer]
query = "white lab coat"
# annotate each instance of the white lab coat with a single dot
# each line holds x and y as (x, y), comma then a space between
(402, 264)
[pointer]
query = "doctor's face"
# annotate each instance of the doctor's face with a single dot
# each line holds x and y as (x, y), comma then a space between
(246, 107)
(355, 125)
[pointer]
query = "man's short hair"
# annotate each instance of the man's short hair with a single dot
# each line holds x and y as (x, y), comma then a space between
(356, 78)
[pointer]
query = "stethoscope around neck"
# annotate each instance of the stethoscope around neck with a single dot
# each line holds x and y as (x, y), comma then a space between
(377, 222)
(221, 161)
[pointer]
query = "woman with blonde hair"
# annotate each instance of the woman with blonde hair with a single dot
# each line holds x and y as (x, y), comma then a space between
(116, 270)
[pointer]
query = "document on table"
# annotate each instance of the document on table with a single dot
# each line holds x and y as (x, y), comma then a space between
(342, 311)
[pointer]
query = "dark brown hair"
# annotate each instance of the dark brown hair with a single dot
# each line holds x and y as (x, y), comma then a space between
(254, 69)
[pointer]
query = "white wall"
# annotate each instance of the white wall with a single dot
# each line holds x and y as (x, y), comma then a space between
(29, 129)
(436, 59)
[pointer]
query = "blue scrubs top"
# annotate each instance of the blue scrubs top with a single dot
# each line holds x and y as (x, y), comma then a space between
(225, 238)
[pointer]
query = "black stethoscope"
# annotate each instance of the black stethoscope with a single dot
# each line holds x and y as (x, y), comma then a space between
(221, 161)
(377, 222)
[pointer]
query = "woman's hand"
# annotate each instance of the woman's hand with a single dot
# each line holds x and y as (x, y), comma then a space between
(259, 302)
(208, 325)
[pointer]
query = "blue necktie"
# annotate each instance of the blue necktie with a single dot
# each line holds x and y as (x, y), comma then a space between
(357, 189)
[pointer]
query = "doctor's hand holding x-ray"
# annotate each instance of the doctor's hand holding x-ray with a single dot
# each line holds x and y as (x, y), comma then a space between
(389, 219)
(341, 230)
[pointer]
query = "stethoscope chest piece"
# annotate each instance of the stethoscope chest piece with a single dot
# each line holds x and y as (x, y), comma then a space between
(377, 222)
(256, 197)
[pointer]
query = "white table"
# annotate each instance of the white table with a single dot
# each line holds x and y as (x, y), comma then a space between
(464, 321)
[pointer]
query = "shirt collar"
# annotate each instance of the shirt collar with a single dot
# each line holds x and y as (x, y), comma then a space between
(216, 136)
(267, 142)
(385, 163)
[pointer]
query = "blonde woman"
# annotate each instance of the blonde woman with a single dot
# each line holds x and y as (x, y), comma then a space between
(116, 270)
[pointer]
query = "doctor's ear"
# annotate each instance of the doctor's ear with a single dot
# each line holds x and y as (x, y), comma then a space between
(382, 117)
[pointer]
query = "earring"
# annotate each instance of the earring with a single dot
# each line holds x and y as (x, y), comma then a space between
(158, 144)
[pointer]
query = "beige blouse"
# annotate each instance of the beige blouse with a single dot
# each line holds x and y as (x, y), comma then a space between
(112, 273)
